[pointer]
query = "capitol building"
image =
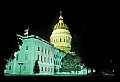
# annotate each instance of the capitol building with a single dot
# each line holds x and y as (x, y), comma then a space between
(47, 54)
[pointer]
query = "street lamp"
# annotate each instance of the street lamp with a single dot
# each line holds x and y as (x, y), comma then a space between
(20, 67)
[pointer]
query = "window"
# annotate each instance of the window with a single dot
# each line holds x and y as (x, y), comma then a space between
(51, 69)
(45, 68)
(48, 61)
(42, 50)
(42, 69)
(17, 56)
(24, 68)
(26, 55)
(48, 52)
(38, 48)
(38, 58)
(48, 69)
(41, 59)
(9, 67)
(26, 47)
(64, 40)
(54, 62)
(60, 39)
(45, 51)
(51, 60)
(45, 59)
(58, 62)
(60, 57)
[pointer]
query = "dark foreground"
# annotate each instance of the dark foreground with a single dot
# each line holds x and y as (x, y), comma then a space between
(59, 78)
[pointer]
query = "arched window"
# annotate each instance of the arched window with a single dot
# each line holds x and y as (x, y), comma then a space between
(38, 48)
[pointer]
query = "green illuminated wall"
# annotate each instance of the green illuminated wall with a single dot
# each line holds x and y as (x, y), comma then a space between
(35, 48)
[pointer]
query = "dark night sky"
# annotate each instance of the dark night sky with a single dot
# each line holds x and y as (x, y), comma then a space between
(41, 16)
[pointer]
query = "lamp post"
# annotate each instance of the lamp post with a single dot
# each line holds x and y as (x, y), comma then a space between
(20, 67)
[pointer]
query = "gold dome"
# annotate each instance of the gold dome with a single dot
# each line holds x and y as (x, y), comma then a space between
(60, 24)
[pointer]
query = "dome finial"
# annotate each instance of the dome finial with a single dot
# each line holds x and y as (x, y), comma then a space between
(60, 15)
(60, 12)
(61, 24)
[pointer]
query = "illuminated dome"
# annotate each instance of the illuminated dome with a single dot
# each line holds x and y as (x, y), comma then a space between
(60, 24)
(61, 37)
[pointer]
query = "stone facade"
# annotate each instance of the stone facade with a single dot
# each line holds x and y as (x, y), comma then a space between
(35, 48)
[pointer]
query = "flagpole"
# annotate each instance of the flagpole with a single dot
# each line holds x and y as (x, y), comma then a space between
(26, 31)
